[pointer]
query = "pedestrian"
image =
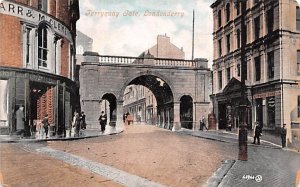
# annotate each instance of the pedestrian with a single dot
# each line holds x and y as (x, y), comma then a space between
(283, 135)
(45, 123)
(20, 121)
(102, 120)
(82, 121)
(77, 124)
(229, 123)
(257, 133)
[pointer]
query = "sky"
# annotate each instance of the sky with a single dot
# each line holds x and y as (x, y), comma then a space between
(128, 27)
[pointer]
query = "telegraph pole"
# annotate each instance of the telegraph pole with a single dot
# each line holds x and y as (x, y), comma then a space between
(243, 153)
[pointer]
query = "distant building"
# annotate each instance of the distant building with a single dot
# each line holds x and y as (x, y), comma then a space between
(165, 49)
(273, 62)
(83, 43)
(37, 63)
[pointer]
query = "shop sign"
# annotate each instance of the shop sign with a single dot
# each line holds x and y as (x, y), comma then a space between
(7, 74)
(34, 16)
(40, 78)
(266, 94)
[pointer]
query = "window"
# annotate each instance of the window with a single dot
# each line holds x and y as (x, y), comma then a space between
(43, 5)
(298, 19)
(42, 46)
(270, 20)
(228, 74)
(220, 79)
(256, 1)
(228, 43)
(227, 12)
(219, 18)
(28, 45)
(298, 56)
(271, 64)
(238, 38)
(220, 47)
(298, 106)
(238, 66)
(237, 7)
(257, 68)
(256, 27)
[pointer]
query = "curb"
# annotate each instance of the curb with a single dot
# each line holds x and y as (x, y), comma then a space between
(221, 172)
(57, 139)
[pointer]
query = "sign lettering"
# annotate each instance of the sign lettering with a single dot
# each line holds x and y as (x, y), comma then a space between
(32, 15)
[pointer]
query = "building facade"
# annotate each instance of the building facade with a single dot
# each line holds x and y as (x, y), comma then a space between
(272, 56)
(37, 63)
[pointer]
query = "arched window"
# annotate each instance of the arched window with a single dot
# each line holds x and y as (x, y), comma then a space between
(227, 12)
(43, 46)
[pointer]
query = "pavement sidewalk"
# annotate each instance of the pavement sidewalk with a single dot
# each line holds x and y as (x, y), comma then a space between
(39, 137)
(268, 164)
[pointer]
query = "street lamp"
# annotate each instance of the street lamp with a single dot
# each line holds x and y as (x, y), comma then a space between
(243, 154)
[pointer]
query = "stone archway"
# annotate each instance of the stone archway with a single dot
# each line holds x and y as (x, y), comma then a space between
(111, 109)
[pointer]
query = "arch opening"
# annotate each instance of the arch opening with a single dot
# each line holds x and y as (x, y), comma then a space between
(109, 106)
(150, 101)
(186, 111)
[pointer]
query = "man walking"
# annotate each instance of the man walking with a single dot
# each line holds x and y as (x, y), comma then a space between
(257, 133)
(283, 135)
(102, 120)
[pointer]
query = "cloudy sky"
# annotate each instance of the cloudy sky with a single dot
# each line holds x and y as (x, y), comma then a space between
(128, 27)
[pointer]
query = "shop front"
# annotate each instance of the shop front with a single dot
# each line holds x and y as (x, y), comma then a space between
(38, 94)
(227, 106)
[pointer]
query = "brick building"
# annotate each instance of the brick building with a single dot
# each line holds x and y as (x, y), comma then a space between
(37, 62)
(273, 62)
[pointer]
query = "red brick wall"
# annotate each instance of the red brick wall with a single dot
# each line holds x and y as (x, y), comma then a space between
(10, 45)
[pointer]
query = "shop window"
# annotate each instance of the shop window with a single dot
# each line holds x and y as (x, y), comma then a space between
(43, 46)
(227, 12)
(257, 68)
(219, 18)
(271, 64)
(220, 47)
(256, 27)
(220, 79)
(298, 18)
(271, 111)
(270, 20)
(228, 43)
(238, 38)
(43, 5)
(259, 111)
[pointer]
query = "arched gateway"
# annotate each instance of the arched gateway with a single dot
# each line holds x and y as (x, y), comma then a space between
(106, 77)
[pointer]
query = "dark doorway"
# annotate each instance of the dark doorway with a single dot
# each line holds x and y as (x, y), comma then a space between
(222, 116)
(186, 112)
(111, 98)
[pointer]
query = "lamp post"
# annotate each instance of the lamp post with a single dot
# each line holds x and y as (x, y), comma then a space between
(242, 136)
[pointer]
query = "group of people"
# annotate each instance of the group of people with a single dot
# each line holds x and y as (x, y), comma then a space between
(78, 122)
(258, 133)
